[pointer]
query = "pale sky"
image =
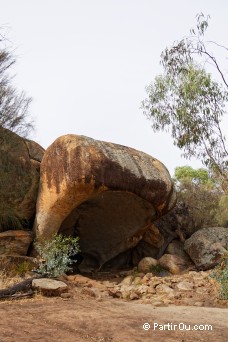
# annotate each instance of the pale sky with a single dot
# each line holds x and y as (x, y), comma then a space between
(86, 64)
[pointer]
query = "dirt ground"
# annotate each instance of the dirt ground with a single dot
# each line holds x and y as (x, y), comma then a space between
(88, 319)
(90, 314)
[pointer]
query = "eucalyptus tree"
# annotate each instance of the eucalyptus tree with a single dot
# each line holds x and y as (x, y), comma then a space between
(189, 104)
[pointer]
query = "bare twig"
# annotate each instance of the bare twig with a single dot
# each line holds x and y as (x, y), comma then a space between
(28, 294)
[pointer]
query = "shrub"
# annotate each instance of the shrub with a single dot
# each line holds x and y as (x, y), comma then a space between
(23, 268)
(220, 274)
(157, 270)
(56, 254)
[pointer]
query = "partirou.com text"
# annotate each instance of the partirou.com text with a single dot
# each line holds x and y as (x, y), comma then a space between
(179, 326)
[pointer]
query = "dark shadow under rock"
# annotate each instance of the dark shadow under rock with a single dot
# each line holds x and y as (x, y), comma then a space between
(109, 224)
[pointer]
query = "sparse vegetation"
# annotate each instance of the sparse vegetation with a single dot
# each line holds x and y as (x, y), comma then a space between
(156, 270)
(22, 268)
(56, 255)
(220, 274)
(7, 280)
(13, 104)
(202, 193)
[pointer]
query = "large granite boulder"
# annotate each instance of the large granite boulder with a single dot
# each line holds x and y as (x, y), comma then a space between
(19, 180)
(106, 194)
(207, 246)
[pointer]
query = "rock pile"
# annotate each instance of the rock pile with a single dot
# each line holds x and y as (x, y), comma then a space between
(192, 288)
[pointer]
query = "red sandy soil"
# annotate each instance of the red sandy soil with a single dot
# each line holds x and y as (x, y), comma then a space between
(107, 320)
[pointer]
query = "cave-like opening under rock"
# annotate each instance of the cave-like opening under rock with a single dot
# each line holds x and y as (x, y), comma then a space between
(108, 225)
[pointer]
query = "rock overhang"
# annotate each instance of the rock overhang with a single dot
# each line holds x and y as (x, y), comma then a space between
(79, 174)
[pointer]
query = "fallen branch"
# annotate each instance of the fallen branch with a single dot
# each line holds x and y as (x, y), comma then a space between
(20, 287)
(28, 294)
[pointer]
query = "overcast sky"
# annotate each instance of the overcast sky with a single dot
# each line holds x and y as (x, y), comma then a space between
(86, 63)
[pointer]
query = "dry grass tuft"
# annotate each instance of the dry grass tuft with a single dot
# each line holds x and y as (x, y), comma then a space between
(7, 281)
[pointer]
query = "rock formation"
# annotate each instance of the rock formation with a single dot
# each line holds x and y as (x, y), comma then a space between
(146, 264)
(15, 242)
(176, 224)
(105, 193)
(173, 263)
(207, 246)
(19, 179)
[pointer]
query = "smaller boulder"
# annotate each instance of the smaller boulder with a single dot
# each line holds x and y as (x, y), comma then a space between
(65, 295)
(146, 264)
(176, 247)
(172, 263)
(163, 288)
(185, 286)
(137, 281)
(88, 291)
(134, 296)
(49, 287)
(127, 280)
(15, 242)
(207, 246)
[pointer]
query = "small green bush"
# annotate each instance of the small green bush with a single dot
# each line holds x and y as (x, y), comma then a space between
(156, 270)
(220, 274)
(56, 254)
(22, 268)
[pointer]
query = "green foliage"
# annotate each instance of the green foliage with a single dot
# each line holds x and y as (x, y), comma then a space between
(220, 273)
(203, 196)
(23, 268)
(157, 270)
(56, 255)
(186, 102)
(198, 176)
